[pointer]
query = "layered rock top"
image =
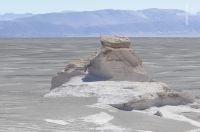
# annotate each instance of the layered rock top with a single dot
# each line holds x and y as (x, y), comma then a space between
(115, 42)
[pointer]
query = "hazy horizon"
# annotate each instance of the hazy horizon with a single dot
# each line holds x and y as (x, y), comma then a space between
(41, 7)
(152, 22)
(93, 10)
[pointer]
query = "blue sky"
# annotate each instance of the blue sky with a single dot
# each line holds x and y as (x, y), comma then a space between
(44, 6)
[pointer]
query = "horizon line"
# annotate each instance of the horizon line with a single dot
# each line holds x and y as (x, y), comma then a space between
(68, 11)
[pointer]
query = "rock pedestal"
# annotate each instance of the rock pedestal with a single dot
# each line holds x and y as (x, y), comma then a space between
(116, 61)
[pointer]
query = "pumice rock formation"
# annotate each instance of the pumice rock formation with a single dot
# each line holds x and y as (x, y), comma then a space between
(116, 61)
(115, 75)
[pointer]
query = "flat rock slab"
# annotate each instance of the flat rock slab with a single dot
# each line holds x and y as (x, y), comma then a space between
(123, 95)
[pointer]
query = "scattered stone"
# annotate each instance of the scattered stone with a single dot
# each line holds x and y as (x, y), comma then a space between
(158, 113)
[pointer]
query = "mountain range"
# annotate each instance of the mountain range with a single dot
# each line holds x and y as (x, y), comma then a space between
(148, 22)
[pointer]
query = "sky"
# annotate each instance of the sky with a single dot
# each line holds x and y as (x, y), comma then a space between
(45, 6)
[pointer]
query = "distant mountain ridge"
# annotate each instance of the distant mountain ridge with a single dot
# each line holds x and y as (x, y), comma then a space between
(12, 16)
(148, 22)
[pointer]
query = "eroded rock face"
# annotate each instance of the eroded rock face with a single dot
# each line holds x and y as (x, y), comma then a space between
(116, 61)
(71, 70)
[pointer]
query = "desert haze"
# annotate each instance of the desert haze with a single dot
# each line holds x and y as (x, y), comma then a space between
(147, 22)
